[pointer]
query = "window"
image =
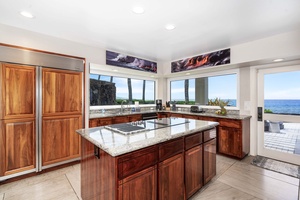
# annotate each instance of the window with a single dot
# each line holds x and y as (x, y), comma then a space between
(112, 90)
(201, 90)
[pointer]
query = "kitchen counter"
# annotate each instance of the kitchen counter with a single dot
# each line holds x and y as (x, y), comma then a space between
(116, 144)
(207, 114)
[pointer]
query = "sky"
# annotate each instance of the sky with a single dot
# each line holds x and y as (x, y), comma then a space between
(224, 87)
(282, 85)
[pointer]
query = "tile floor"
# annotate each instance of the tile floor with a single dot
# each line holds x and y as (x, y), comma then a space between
(234, 180)
(288, 140)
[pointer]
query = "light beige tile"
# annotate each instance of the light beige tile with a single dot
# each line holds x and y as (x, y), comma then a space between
(54, 188)
(74, 179)
(221, 191)
(35, 179)
(258, 184)
(1, 196)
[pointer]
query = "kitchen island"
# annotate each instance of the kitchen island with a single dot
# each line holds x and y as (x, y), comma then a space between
(169, 158)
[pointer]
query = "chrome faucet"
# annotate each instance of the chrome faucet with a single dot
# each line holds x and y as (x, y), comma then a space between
(122, 106)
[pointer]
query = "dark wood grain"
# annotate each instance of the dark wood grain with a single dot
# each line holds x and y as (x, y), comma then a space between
(137, 161)
(170, 148)
(193, 170)
(193, 140)
(62, 92)
(171, 178)
(141, 185)
(18, 145)
(17, 91)
(209, 160)
(98, 176)
(60, 142)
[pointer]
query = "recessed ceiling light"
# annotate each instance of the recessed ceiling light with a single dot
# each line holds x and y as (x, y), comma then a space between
(170, 26)
(151, 76)
(138, 10)
(115, 70)
(188, 73)
(26, 14)
(278, 60)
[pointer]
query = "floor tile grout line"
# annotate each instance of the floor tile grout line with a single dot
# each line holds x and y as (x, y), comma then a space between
(72, 186)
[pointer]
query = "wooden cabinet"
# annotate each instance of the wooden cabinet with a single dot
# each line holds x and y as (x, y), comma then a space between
(163, 114)
(17, 145)
(100, 122)
(137, 174)
(171, 170)
(17, 118)
(18, 91)
(62, 92)
(193, 163)
(61, 115)
(209, 160)
(193, 170)
(234, 137)
(135, 117)
(171, 178)
(176, 115)
(141, 185)
(60, 141)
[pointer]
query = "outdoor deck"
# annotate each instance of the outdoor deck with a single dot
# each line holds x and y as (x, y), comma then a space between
(288, 140)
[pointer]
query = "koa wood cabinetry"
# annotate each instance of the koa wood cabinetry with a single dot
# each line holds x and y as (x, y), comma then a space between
(61, 115)
(17, 118)
(175, 169)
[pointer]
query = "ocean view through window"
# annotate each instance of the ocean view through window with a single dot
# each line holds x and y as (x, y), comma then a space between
(201, 90)
(282, 93)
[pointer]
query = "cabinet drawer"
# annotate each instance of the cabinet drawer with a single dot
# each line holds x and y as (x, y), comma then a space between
(171, 148)
(230, 123)
(193, 140)
(209, 134)
(136, 161)
(104, 121)
(122, 119)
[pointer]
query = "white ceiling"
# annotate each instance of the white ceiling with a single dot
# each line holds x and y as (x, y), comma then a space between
(201, 25)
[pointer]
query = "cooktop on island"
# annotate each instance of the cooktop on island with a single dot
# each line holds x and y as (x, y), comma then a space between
(146, 125)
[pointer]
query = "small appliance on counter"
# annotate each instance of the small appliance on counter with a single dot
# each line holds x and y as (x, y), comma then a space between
(196, 109)
(159, 104)
(173, 105)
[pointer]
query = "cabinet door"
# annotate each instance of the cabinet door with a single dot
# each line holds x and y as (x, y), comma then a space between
(60, 142)
(18, 91)
(93, 123)
(17, 145)
(171, 178)
(120, 119)
(62, 92)
(209, 160)
(229, 141)
(193, 170)
(139, 186)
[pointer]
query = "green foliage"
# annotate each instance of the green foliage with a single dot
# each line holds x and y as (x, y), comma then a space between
(268, 111)
(218, 102)
(184, 103)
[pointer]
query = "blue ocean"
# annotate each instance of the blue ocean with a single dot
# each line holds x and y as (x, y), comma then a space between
(283, 106)
(278, 106)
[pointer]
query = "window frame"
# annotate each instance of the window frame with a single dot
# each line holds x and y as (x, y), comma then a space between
(209, 74)
(116, 73)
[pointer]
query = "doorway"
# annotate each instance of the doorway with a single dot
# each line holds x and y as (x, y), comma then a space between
(279, 99)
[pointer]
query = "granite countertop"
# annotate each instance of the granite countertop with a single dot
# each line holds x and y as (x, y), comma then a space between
(116, 144)
(207, 114)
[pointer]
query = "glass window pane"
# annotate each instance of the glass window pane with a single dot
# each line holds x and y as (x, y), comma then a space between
(282, 93)
(111, 90)
(200, 90)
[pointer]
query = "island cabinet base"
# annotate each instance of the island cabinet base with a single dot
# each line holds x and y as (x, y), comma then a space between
(175, 169)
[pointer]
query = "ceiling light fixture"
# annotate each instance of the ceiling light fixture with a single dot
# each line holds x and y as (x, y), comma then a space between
(170, 26)
(278, 60)
(138, 10)
(188, 73)
(26, 14)
(115, 70)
